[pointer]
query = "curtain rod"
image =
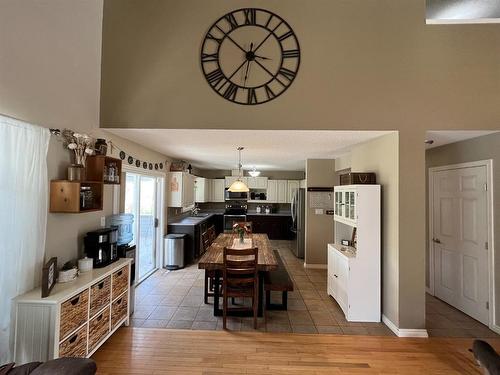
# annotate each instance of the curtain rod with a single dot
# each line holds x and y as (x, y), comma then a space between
(52, 130)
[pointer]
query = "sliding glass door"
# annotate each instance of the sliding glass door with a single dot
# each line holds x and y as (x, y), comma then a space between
(141, 200)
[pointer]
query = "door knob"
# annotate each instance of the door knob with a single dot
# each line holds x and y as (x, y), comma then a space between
(436, 240)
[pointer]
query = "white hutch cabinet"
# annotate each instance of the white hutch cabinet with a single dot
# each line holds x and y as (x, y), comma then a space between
(354, 277)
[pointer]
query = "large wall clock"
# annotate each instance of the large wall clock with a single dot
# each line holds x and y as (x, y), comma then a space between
(250, 56)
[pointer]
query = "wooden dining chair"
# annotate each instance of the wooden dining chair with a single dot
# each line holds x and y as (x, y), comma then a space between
(244, 224)
(212, 234)
(240, 279)
(209, 274)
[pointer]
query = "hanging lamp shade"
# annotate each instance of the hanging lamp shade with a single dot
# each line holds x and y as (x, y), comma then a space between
(239, 186)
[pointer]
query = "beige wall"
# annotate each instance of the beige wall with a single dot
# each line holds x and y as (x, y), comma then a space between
(50, 76)
(381, 156)
(366, 64)
(50, 61)
(319, 228)
(481, 148)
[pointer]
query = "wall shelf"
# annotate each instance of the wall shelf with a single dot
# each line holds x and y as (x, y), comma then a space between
(65, 194)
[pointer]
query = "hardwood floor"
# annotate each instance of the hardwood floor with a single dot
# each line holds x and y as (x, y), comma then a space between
(159, 351)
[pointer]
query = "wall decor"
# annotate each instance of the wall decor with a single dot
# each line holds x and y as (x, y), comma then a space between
(131, 160)
(49, 276)
(250, 56)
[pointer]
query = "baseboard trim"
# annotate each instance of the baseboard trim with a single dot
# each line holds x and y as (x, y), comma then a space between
(429, 291)
(495, 328)
(315, 266)
(402, 332)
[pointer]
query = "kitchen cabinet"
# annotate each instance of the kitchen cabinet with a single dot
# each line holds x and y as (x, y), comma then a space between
(282, 191)
(217, 190)
(354, 272)
(345, 204)
(230, 179)
(276, 227)
(292, 186)
(338, 274)
(181, 190)
(193, 230)
(272, 191)
(202, 190)
(257, 182)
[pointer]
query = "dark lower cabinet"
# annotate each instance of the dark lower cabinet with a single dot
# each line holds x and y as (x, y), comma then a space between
(276, 227)
(192, 245)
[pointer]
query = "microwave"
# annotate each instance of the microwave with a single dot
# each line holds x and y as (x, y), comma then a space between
(235, 196)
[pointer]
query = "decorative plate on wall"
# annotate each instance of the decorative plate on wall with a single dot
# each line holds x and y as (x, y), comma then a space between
(250, 56)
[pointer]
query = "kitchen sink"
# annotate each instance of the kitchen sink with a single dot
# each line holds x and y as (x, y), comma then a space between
(199, 215)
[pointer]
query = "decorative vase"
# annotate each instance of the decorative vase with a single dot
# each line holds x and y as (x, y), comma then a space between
(76, 172)
(242, 237)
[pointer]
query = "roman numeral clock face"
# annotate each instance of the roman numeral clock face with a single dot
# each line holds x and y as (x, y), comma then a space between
(250, 56)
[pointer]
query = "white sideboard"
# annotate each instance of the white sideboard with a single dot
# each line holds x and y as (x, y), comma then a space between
(354, 273)
(76, 318)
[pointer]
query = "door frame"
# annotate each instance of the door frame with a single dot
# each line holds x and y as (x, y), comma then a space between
(491, 238)
(160, 209)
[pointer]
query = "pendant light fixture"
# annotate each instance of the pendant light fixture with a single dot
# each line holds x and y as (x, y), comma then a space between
(239, 186)
(254, 172)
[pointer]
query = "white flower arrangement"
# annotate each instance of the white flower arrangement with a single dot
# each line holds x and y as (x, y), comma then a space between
(81, 144)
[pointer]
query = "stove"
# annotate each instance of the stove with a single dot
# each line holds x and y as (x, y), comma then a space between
(235, 212)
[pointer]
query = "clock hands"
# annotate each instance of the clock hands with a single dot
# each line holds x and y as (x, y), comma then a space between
(236, 71)
(231, 39)
(268, 35)
(249, 58)
(262, 57)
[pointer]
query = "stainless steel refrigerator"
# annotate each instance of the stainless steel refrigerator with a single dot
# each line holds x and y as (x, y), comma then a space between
(298, 229)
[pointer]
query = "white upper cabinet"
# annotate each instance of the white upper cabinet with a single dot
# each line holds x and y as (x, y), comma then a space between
(282, 191)
(202, 190)
(292, 188)
(257, 182)
(272, 191)
(346, 204)
(217, 190)
(181, 190)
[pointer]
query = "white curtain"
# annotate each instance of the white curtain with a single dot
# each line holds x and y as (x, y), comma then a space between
(23, 215)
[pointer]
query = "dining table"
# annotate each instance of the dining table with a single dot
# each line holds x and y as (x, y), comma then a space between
(213, 260)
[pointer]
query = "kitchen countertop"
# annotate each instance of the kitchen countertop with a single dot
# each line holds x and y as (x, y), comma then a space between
(206, 215)
(193, 220)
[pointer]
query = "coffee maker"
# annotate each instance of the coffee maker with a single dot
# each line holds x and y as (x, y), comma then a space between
(100, 245)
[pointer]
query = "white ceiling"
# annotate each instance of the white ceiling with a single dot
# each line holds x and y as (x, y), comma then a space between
(441, 138)
(265, 149)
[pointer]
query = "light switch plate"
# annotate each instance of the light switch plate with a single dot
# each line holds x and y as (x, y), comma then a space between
(319, 211)
(103, 221)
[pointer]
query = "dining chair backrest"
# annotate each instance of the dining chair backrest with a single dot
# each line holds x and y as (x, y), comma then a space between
(240, 267)
(212, 234)
(244, 224)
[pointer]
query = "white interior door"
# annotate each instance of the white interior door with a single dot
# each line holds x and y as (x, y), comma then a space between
(460, 236)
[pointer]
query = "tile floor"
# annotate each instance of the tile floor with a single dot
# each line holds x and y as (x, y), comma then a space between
(443, 320)
(175, 300)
